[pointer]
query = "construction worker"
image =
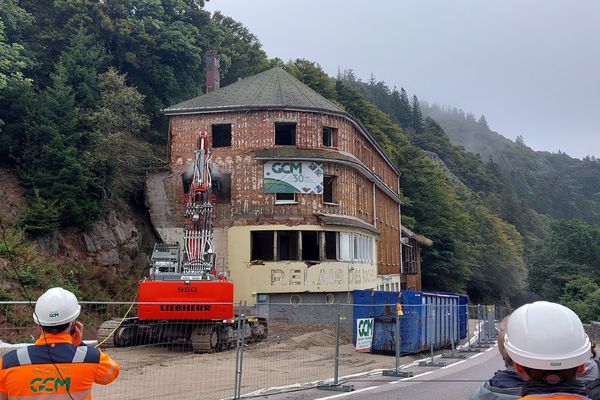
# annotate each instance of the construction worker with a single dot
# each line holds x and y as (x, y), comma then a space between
(506, 384)
(58, 365)
(549, 349)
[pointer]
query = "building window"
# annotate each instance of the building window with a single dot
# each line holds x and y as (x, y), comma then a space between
(262, 244)
(355, 247)
(285, 133)
(409, 257)
(221, 188)
(221, 135)
(310, 245)
(287, 245)
(307, 245)
(331, 245)
(328, 189)
(285, 198)
(329, 136)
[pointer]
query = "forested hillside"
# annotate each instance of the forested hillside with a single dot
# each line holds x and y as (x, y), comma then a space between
(552, 183)
(80, 124)
(538, 192)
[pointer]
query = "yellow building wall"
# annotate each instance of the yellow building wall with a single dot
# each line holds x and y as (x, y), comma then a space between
(293, 276)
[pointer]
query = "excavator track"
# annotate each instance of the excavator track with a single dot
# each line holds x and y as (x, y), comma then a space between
(119, 333)
(105, 330)
(205, 339)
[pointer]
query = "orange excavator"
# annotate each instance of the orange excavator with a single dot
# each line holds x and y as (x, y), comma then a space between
(184, 297)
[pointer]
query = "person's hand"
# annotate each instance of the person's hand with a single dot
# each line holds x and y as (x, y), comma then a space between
(77, 333)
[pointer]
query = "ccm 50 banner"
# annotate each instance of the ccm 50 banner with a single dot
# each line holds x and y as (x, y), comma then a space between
(293, 177)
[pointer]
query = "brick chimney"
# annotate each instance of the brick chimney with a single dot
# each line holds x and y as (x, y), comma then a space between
(213, 71)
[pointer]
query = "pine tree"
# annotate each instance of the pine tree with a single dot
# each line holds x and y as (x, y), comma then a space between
(83, 60)
(404, 116)
(56, 163)
(483, 122)
(416, 118)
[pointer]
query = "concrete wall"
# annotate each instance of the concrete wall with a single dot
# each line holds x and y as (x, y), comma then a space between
(312, 309)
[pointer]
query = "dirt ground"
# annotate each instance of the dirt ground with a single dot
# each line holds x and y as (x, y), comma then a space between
(293, 354)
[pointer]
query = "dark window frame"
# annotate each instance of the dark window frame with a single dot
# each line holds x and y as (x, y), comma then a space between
(279, 200)
(329, 186)
(330, 136)
(220, 135)
(284, 134)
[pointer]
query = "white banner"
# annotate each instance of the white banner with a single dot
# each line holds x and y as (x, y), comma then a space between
(364, 334)
(293, 177)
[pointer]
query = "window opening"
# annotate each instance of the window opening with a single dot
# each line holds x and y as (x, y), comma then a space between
(331, 245)
(221, 135)
(285, 198)
(285, 133)
(287, 245)
(310, 245)
(329, 136)
(262, 245)
(328, 189)
(329, 298)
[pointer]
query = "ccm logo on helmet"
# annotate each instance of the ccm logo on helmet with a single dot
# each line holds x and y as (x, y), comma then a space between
(53, 314)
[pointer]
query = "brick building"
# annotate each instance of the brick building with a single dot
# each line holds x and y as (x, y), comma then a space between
(308, 205)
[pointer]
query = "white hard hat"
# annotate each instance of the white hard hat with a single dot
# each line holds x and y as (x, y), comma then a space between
(56, 307)
(546, 336)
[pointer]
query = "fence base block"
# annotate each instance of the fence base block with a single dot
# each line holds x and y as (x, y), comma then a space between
(432, 364)
(453, 355)
(397, 373)
(470, 350)
(336, 387)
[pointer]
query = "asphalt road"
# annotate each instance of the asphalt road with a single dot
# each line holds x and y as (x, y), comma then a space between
(456, 381)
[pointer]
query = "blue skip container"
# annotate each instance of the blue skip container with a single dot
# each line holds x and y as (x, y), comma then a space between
(428, 317)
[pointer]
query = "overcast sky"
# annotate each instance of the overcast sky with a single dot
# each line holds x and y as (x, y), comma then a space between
(531, 66)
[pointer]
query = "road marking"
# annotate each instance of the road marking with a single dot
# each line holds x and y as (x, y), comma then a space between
(337, 396)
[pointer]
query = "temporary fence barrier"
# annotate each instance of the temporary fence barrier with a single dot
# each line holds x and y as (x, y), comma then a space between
(314, 346)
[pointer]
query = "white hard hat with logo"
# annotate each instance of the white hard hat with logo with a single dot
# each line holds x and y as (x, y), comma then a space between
(56, 307)
(546, 336)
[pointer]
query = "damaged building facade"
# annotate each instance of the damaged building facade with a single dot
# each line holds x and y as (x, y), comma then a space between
(307, 203)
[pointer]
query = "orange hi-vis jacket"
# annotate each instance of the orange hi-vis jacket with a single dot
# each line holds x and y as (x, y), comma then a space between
(557, 396)
(57, 370)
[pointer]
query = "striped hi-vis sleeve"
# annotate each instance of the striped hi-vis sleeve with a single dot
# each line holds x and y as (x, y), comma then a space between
(108, 370)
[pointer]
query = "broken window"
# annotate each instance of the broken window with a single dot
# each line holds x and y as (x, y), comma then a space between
(329, 136)
(221, 188)
(331, 245)
(409, 257)
(287, 245)
(262, 244)
(310, 245)
(285, 133)
(221, 135)
(285, 198)
(328, 189)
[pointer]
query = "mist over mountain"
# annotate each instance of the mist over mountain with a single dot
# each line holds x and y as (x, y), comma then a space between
(553, 183)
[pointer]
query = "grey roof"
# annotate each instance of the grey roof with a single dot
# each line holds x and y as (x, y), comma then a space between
(274, 88)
